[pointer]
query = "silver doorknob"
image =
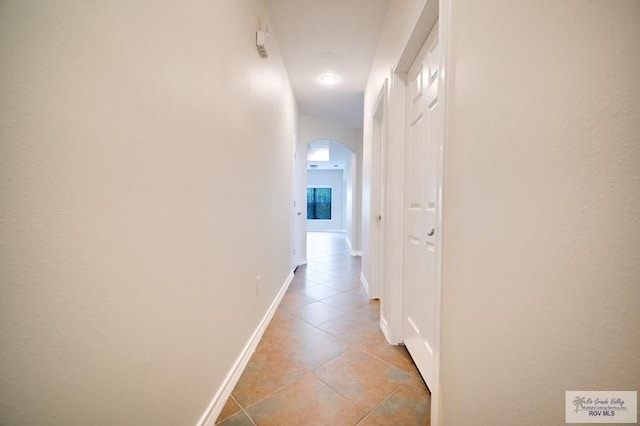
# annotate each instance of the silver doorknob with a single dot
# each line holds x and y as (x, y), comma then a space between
(430, 234)
(379, 218)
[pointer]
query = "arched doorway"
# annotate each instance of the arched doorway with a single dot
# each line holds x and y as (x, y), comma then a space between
(331, 171)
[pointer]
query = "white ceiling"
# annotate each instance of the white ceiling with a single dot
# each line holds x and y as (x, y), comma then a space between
(321, 36)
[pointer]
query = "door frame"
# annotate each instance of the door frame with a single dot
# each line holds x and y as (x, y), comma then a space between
(300, 185)
(432, 12)
(378, 199)
(297, 225)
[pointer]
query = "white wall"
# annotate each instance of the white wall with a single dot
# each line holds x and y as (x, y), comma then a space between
(542, 179)
(313, 129)
(350, 187)
(542, 170)
(355, 237)
(329, 179)
(132, 230)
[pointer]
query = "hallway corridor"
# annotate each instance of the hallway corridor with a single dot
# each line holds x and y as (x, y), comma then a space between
(323, 359)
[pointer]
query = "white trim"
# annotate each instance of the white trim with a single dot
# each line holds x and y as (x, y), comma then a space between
(378, 197)
(429, 15)
(381, 101)
(393, 299)
(444, 24)
(426, 19)
(353, 252)
(302, 262)
(365, 284)
(385, 330)
(220, 398)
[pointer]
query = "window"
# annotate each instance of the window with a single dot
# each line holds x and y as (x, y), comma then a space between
(318, 203)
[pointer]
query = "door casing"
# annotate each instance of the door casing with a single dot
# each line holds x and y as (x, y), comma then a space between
(432, 12)
(378, 198)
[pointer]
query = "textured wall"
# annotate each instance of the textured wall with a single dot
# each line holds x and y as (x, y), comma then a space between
(131, 226)
(541, 261)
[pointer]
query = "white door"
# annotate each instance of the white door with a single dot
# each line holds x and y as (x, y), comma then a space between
(378, 199)
(296, 232)
(424, 136)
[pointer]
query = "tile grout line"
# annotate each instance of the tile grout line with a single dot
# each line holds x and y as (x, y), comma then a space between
(307, 371)
(381, 402)
(373, 355)
(344, 276)
(367, 412)
(312, 371)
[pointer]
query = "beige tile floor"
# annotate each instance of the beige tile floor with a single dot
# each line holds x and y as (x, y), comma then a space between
(323, 359)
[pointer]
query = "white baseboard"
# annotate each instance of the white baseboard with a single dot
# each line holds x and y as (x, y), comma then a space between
(387, 333)
(217, 404)
(351, 250)
(365, 284)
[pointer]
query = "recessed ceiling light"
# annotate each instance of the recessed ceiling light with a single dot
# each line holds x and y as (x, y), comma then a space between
(328, 79)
